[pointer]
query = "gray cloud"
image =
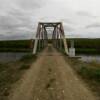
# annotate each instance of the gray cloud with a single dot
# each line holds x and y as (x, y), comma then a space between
(95, 25)
(14, 20)
(68, 28)
(67, 21)
(18, 18)
(30, 4)
(85, 14)
(21, 36)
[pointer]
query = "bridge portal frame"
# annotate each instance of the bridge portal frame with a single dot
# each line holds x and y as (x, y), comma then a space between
(58, 36)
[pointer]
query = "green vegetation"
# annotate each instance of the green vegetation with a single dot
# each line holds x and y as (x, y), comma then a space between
(15, 46)
(89, 72)
(86, 46)
(28, 57)
(24, 67)
(83, 46)
(86, 43)
(11, 72)
(87, 51)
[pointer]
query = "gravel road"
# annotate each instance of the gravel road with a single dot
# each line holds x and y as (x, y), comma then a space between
(50, 78)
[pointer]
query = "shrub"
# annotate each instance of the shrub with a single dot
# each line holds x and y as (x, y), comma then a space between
(24, 67)
(90, 73)
(28, 57)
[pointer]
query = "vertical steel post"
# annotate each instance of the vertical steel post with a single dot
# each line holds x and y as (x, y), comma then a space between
(58, 36)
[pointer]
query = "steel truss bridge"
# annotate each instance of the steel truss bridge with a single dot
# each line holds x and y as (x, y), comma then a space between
(58, 37)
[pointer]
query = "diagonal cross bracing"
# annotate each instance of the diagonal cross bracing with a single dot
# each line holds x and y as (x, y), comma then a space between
(58, 36)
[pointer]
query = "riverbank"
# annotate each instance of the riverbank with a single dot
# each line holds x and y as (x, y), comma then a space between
(15, 46)
(89, 72)
(11, 72)
(82, 45)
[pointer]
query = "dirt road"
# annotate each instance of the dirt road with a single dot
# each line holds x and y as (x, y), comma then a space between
(51, 78)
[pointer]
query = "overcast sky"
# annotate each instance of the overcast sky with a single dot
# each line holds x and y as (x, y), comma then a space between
(19, 18)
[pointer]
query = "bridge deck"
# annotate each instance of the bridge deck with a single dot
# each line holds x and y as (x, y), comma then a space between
(51, 78)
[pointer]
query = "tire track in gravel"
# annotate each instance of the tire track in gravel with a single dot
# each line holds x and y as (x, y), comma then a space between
(51, 78)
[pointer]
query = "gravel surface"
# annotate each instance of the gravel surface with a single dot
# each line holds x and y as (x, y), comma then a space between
(50, 78)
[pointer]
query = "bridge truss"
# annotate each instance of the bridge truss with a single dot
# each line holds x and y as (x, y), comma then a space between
(58, 37)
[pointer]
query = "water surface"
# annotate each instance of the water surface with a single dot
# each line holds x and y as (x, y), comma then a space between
(90, 58)
(9, 56)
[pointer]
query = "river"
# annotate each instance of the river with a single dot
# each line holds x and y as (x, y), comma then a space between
(90, 58)
(9, 56)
